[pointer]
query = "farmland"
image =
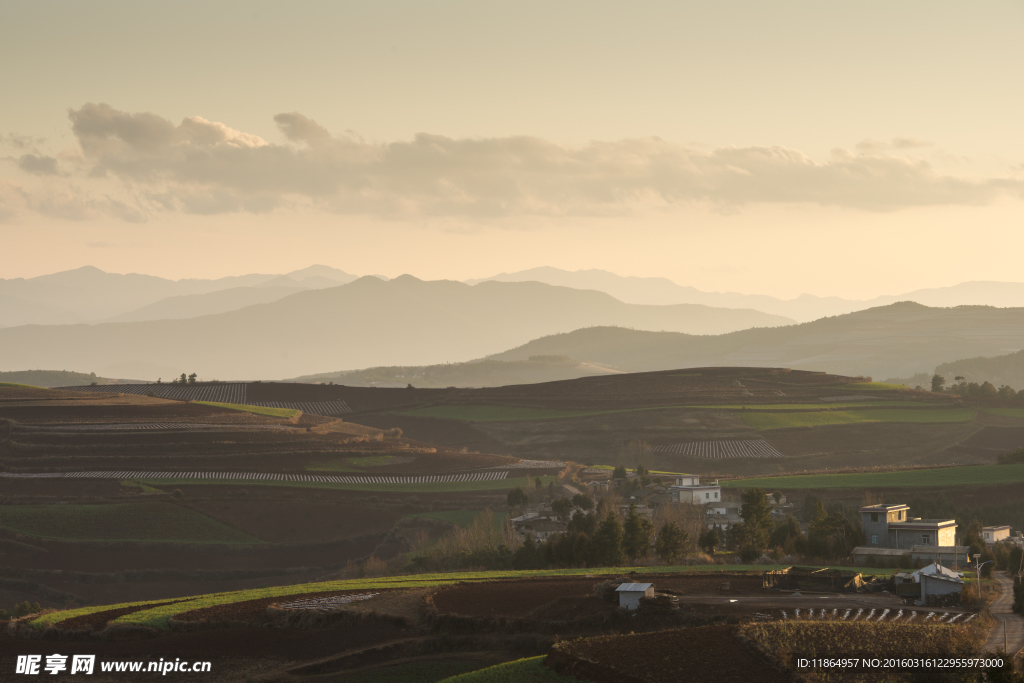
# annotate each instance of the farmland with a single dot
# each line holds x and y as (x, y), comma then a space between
(259, 410)
(155, 523)
(789, 420)
(940, 476)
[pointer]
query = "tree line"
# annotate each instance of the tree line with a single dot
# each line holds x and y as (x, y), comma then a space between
(974, 390)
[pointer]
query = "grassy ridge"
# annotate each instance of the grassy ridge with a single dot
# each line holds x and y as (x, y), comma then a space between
(502, 413)
(137, 522)
(872, 386)
(462, 518)
(433, 487)
(158, 616)
(259, 410)
(1004, 412)
(830, 406)
(938, 476)
(766, 421)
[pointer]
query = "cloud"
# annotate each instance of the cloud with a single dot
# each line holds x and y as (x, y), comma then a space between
(205, 167)
(37, 165)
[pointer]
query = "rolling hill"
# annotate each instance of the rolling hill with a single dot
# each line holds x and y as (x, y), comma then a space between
(366, 323)
(889, 341)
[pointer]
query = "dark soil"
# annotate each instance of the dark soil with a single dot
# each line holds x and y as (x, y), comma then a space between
(509, 598)
(679, 654)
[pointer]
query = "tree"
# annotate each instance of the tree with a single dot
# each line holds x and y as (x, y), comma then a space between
(517, 497)
(777, 496)
(607, 543)
(183, 379)
(636, 534)
(561, 507)
(582, 523)
(583, 501)
(192, 378)
(709, 540)
(672, 542)
(620, 472)
(641, 471)
(938, 381)
(757, 517)
(539, 483)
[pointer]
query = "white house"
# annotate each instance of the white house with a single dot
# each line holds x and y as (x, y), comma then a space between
(994, 534)
(931, 570)
(688, 489)
(630, 594)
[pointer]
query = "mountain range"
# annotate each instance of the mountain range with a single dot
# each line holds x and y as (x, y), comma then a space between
(368, 322)
(89, 294)
(804, 308)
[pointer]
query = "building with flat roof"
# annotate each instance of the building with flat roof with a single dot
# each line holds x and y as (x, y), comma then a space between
(688, 489)
(994, 534)
(889, 525)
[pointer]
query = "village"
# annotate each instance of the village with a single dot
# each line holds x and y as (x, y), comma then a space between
(929, 555)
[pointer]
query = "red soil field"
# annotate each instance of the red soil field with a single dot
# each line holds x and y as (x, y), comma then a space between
(679, 654)
(509, 598)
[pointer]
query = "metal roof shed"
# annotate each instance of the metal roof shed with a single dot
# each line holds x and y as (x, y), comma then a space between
(630, 594)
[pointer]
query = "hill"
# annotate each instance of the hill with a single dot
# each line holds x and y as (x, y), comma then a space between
(999, 370)
(481, 373)
(195, 305)
(898, 340)
(804, 308)
(51, 378)
(366, 323)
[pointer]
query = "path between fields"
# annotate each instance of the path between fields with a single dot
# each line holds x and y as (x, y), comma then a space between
(1002, 610)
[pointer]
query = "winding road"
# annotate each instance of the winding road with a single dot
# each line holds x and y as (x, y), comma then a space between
(1002, 611)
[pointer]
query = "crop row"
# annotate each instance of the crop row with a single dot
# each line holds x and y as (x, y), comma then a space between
(267, 476)
(746, 448)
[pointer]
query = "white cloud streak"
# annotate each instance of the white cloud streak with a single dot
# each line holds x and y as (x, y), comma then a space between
(204, 167)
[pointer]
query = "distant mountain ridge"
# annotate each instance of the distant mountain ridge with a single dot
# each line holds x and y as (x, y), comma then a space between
(804, 308)
(365, 323)
(88, 294)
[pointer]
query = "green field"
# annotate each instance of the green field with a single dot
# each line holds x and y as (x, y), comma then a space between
(937, 476)
(831, 406)
(12, 385)
(871, 386)
(500, 413)
(765, 421)
(462, 518)
(141, 522)
(157, 617)
(434, 487)
(1004, 412)
(259, 410)
(529, 670)
(338, 465)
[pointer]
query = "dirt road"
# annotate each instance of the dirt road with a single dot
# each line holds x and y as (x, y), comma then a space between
(1002, 610)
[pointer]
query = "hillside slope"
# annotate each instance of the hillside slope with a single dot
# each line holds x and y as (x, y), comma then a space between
(999, 370)
(366, 323)
(889, 341)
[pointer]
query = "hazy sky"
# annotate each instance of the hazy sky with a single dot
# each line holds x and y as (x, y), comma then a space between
(834, 148)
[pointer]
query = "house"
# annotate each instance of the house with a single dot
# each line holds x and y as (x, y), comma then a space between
(723, 514)
(688, 489)
(641, 510)
(539, 528)
(630, 594)
(994, 534)
(932, 569)
(889, 526)
(936, 587)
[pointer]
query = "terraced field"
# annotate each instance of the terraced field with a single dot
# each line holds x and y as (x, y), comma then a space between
(786, 420)
(142, 522)
(746, 448)
(938, 476)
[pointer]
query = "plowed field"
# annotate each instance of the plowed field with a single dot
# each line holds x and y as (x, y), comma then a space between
(666, 656)
(508, 598)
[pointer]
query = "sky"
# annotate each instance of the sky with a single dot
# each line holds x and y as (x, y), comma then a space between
(851, 149)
